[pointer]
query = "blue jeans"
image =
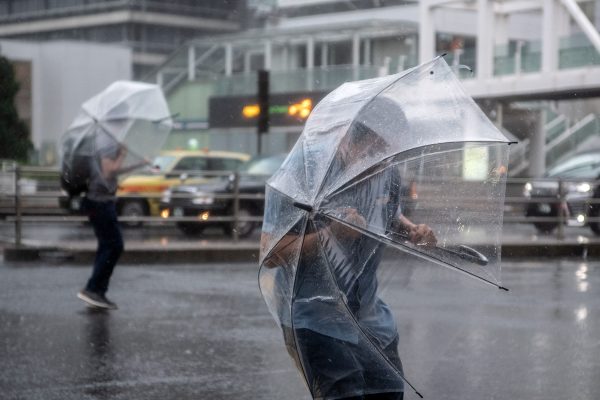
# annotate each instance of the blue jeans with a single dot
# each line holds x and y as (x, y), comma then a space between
(103, 217)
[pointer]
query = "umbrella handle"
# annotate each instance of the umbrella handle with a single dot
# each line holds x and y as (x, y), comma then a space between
(467, 253)
(158, 121)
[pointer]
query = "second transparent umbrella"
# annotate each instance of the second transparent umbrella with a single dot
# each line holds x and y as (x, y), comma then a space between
(407, 161)
(127, 114)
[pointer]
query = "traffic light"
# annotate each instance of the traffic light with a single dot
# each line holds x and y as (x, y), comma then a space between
(263, 101)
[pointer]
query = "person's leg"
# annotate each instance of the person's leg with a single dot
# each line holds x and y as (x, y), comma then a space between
(386, 380)
(329, 365)
(110, 246)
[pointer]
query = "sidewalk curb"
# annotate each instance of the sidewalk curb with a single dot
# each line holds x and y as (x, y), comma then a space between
(249, 253)
(132, 256)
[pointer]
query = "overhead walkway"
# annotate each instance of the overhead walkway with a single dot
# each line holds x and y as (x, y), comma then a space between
(561, 65)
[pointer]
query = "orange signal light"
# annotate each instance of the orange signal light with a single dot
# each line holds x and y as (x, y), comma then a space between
(251, 111)
(301, 109)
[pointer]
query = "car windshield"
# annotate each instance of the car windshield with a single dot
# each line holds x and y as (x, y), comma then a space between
(264, 165)
(582, 166)
(163, 162)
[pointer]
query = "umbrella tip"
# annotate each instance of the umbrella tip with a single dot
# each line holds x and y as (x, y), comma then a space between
(303, 206)
(503, 288)
(419, 394)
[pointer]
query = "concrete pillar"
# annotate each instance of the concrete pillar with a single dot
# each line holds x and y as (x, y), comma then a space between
(549, 37)
(485, 44)
(247, 56)
(426, 32)
(228, 59)
(268, 55)
(191, 62)
(355, 56)
(310, 63)
(310, 53)
(537, 148)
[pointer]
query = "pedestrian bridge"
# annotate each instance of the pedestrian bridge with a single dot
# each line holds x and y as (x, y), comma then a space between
(319, 54)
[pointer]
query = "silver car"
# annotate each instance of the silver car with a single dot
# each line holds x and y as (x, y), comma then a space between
(575, 178)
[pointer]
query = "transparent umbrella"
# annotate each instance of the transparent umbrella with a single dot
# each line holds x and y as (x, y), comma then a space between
(126, 114)
(347, 190)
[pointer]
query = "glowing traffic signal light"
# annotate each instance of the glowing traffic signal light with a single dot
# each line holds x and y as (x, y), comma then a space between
(251, 111)
(301, 109)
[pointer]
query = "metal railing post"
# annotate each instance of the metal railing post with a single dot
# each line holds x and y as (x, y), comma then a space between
(236, 205)
(17, 172)
(562, 209)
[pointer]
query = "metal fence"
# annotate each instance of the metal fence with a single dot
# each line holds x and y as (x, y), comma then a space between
(33, 195)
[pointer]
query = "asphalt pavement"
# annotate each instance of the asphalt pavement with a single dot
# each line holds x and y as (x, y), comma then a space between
(202, 331)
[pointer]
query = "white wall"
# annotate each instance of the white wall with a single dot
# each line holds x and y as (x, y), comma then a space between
(64, 75)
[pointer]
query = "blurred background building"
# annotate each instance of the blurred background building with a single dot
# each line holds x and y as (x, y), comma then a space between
(152, 29)
(55, 77)
(536, 63)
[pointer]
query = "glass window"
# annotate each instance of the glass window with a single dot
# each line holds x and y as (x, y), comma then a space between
(163, 162)
(264, 166)
(192, 164)
(63, 3)
(27, 6)
(223, 164)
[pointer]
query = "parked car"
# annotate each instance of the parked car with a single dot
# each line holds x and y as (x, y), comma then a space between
(214, 198)
(577, 175)
(139, 194)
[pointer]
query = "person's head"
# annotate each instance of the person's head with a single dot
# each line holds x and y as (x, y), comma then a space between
(374, 129)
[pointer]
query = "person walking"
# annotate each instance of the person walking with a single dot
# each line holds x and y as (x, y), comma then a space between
(100, 206)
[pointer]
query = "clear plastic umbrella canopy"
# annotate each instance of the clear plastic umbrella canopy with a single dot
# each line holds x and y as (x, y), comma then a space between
(130, 114)
(412, 145)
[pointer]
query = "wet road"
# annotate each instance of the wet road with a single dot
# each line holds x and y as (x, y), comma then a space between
(203, 332)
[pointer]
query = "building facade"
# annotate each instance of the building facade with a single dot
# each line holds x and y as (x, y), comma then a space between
(151, 29)
(529, 60)
(55, 79)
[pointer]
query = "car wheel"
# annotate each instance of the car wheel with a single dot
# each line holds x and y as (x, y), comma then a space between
(190, 228)
(133, 209)
(594, 212)
(244, 228)
(543, 210)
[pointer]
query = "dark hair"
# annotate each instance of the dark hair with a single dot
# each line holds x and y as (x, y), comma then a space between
(380, 120)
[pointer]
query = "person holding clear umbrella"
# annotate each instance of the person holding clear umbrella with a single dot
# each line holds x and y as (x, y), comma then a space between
(100, 206)
(115, 132)
(336, 362)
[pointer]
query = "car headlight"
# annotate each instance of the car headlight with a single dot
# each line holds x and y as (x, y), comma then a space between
(583, 187)
(202, 199)
(527, 189)
(166, 196)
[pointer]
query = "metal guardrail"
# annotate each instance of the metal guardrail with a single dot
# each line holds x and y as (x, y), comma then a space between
(35, 192)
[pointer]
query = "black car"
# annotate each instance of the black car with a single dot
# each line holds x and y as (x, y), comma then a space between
(577, 175)
(215, 198)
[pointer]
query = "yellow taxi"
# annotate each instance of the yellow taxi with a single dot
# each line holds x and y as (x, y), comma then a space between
(139, 194)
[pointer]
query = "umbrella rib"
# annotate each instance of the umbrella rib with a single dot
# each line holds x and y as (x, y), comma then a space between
(341, 187)
(115, 139)
(412, 251)
(357, 324)
(285, 232)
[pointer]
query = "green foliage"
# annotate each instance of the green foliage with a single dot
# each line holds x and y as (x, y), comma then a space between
(14, 134)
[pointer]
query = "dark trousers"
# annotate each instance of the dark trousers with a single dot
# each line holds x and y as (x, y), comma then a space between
(333, 367)
(103, 217)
